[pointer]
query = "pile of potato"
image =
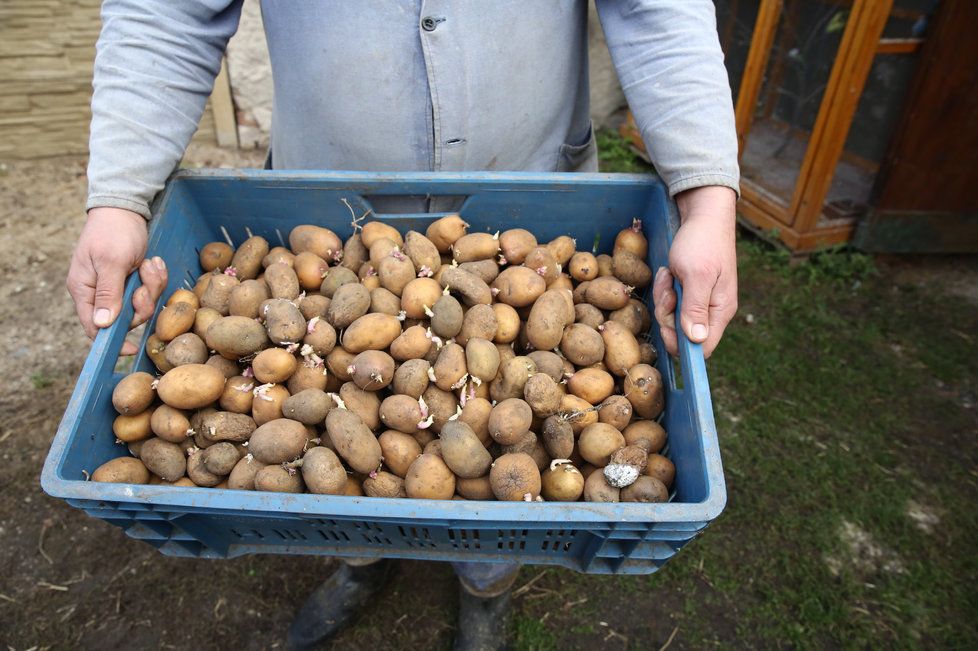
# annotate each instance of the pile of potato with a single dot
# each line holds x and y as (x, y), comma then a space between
(444, 365)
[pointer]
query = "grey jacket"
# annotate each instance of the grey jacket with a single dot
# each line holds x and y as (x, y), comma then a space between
(416, 85)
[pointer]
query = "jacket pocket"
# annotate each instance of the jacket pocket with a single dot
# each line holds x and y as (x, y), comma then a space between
(580, 157)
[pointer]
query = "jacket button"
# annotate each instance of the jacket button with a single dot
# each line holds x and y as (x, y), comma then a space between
(429, 24)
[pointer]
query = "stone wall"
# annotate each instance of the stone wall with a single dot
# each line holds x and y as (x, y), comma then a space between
(46, 52)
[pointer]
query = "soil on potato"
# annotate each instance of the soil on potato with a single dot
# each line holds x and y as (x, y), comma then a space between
(72, 581)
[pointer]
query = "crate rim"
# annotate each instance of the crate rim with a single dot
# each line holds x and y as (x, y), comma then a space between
(326, 506)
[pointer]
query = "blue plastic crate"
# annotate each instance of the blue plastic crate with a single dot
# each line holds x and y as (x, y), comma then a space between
(212, 523)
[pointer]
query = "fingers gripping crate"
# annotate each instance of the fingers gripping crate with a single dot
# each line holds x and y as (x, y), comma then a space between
(202, 206)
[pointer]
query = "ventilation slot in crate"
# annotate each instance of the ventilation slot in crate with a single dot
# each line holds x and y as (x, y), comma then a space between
(465, 538)
(511, 539)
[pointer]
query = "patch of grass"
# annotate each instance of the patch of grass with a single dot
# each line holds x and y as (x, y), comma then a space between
(41, 381)
(840, 403)
(615, 155)
(532, 635)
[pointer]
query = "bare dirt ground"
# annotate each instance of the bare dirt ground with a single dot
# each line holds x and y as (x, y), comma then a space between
(71, 581)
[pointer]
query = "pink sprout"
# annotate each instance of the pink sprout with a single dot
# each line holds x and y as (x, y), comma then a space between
(311, 326)
(248, 372)
(397, 255)
(425, 272)
(541, 270)
(231, 271)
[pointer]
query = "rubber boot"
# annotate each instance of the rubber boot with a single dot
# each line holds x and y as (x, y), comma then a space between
(336, 603)
(481, 622)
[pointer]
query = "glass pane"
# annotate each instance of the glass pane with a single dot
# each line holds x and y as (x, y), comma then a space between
(735, 24)
(909, 18)
(798, 70)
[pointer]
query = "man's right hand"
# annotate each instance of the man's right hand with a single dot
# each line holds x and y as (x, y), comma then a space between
(112, 245)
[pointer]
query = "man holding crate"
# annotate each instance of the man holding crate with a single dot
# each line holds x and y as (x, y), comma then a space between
(424, 85)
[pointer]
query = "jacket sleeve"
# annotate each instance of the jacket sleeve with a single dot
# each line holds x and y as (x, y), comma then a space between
(668, 58)
(155, 65)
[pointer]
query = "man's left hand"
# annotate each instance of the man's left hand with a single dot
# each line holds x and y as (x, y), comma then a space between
(704, 260)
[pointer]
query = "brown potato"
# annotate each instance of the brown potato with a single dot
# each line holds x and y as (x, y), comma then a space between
(446, 231)
(475, 414)
(310, 375)
(548, 363)
(184, 296)
(322, 472)
(246, 298)
(486, 270)
(247, 258)
(396, 271)
(433, 447)
(422, 251)
(380, 249)
(335, 278)
(278, 254)
(514, 477)
(309, 271)
(268, 401)
(399, 450)
(592, 385)
(449, 368)
(475, 246)
(236, 336)
(137, 427)
(645, 489)
(605, 263)
(515, 244)
(316, 240)
(320, 338)
(562, 482)
(354, 253)
(509, 420)
(579, 413)
(446, 317)
(384, 484)
(203, 319)
(597, 489)
(170, 424)
(470, 287)
(353, 440)
(242, 476)
(583, 266)
(479, 321)
(365, 404)
(562, 248)
(542, 394)
(582, 344)
(588, 315)
(277, 479)
(661, 468)
(402, 413)
(215, 255)
(187, 348)
(518, 286)
(507, 323)
(373, 231)
(237, 395)
(191, 386)
(643, 388)
(134, 393)
(282, 281)
(479, 488)
(278, 441)
(228, 367)
(218, 293)
(633, 316)
(284, 322)
(412, 343)
(219, 426)
(174, 320)
(124, 470)
(617, 412)
(219, 459)
(630, 269)
(647, 430)
(309, 406)
(558, 437)
(463, 452)
(313, 305)
(549, 315)
(198, 472)
(371, 332)
(429, 477)
(607, 293)
(621, 351)
(419, 294)
(632, 239)
(372, 370)
(442, 405)
(384, 301)
(512, 377)
(481, 359)
(411, 378)
(597, 443)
